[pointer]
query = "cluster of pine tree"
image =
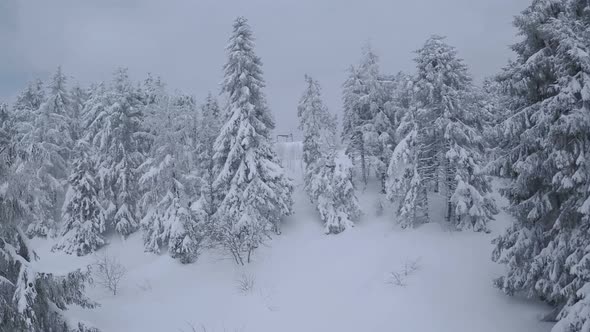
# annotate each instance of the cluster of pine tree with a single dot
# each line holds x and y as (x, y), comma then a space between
(30, 300)
(328, 173)
(543, 146)
(84, 164)
(421, 136)
(118, 157)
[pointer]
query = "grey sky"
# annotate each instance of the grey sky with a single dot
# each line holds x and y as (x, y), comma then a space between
(183, 41)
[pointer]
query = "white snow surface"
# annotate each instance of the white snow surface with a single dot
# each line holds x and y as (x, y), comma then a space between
(306, 281)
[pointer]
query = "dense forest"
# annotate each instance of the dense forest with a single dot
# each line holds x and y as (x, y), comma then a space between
(83, 164)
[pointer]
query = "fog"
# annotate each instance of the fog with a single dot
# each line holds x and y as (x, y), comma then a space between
(183, 41)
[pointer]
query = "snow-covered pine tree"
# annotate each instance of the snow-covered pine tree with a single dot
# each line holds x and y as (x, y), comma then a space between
(331, 188)
(29, 300)
(404, 182)
(49, 147)
(168, 222)
(209, 127)
(78, 97)
(328, 177)
(254, 191)
(53, 126)
(366, 120)
(378, 135)
(25, 109)
(318, 127)
(153, 95)
(114, 119)
(450, 145)
(546, 142)
(84, 218)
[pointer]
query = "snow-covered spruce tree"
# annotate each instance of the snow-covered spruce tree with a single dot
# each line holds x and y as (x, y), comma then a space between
(379, 135)
(115, 129)
(254, 192)
(153, 95)
(208, 130)
(29, 300)
(451, 151)
(168, 222)
(25, 110)
(49, 147)
(83, 216)
(318, 128)
(332, 188)
(328, 177)
(78, 97)
(365, 116)
(546, 147)
(404, 181)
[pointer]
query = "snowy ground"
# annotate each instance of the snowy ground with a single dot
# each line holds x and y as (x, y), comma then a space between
(306, 281)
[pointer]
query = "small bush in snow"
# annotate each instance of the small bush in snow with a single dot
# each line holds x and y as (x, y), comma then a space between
(245, 283)
(398, 278)
(108, 272)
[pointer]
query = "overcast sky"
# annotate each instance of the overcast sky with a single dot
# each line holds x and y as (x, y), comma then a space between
(183, 41)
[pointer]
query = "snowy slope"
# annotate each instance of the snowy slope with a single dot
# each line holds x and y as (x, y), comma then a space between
(307, 281)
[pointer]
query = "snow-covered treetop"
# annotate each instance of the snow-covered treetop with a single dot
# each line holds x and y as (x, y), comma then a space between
(243, 80)
(317, 124)
(58, 90)
(32, 97)
(437, 62)
(442, 79)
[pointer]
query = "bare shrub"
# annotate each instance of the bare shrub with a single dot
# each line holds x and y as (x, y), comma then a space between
(108, 272)
(398, 278)
(245, 283)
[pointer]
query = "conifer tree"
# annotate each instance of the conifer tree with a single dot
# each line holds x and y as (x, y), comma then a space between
(168, 222)
(49, 146)
(450, 157)
(78, 97)
(367, 119)
(328, 175)
(254, 191)
(545, 148)
(440, 143)
(207, 133)
(29, 300)
(318, 127)
(83, 215)
(404, 182)
(116, 130)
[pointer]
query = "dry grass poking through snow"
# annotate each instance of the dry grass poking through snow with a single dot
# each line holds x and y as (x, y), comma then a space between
(400, 277)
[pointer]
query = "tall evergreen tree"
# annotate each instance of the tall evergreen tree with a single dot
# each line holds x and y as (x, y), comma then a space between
(29, 300)
(78, 97)
(25, 109)
(367, 120)
(208, 130)
(441, 148)
(168, 222)
(545, 143)
(116, 130)
(49, 147)
(83, 216)
(328, 176)
(318, 126)
(405, 183)
(254, 191)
